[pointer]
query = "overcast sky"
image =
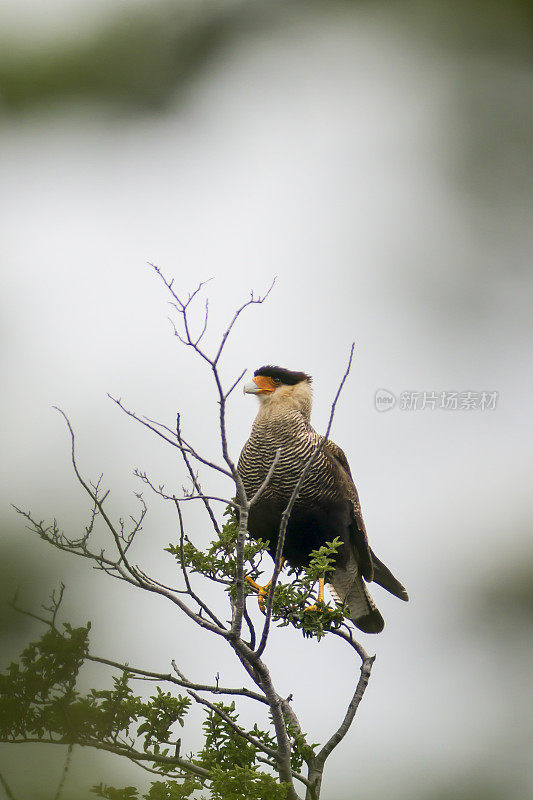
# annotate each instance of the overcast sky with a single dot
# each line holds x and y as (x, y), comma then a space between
(331, 154)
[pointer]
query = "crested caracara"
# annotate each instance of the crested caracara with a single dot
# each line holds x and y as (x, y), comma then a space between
(327, 505)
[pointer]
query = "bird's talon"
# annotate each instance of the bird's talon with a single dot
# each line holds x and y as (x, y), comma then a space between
(261, 599)
(315, 606)
(262, 591)
(253, 584)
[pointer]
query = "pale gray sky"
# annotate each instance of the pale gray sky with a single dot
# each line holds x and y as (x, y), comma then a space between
(328, 153)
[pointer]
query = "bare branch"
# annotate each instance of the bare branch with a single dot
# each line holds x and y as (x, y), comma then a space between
(184, 446)
(238, 604)
(129, 752)
(182, 308)
(181, 680)
(290, 714)
(55, 604)
(143, 420)
(170, 283)
(94, 497)
(216, 689)
(344, 727)
(294, 774)
(345, 632)
(250, 625)
(211, 497)
(113, 568)
(276, 709)
(252, 301)
(268, 478)
(234, 384)
(158, 424)
(159, 583)
(159, 490)
(53, 535)
(194, 477)
(6, 788)
(339, 390)
(134, 576)
(204, 328)
(188, 339)
(193, 595)
(65, 772)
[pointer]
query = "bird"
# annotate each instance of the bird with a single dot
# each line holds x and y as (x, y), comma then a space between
(327, 505)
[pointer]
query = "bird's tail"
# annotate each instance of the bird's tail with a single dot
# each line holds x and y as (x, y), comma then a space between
(347, 586)
(385, 578)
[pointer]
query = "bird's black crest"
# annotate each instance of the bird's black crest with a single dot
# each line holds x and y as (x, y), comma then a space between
(285, 375)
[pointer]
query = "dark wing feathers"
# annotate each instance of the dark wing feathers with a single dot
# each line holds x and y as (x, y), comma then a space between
(372, 568)
(358, 530)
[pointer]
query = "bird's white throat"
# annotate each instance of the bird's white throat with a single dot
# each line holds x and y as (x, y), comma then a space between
(299, 397)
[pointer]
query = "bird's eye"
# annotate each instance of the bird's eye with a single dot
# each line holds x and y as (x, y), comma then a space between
(277, 381)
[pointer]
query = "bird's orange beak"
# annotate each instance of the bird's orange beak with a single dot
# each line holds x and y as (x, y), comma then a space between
(260, 385)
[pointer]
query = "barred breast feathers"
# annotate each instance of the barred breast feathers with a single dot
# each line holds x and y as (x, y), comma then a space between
(283, 421)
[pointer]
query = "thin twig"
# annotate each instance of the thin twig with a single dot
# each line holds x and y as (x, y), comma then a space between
(250, 625)
(343, 728)
(116, 536)
(234, 384)
(159, 490)
(270, 751)
(133, 575)
(129, 752)
(184, 446)
(6, 788)
(65, 772)
(185, 573)
(345, 632)
(294, 774)
(187, 338)
(167, 677)
(194, 478)
(268, 478)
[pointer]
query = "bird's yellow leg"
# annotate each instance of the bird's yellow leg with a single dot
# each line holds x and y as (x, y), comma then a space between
(320, 598)
(262, 591)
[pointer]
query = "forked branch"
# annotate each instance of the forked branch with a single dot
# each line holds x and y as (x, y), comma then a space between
(275, 752)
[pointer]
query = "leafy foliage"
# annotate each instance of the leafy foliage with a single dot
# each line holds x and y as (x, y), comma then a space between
(217, 562)
(37, 695)
(39, 699)
(242, 783)
(160, 790)
(224, 748)
(290, 599)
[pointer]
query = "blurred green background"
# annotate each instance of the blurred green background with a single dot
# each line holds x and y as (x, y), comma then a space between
(378, 157)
